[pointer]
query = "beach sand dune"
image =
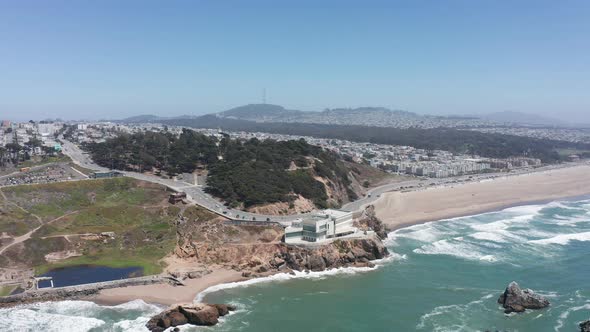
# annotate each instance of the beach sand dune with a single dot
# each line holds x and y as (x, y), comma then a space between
(400, 209)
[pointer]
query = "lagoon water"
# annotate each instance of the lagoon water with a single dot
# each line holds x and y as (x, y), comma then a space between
(84, 274)
(443, 276)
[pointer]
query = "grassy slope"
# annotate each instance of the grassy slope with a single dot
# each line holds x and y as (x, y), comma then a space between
(135, 211)
(6, 290)
(14, 221)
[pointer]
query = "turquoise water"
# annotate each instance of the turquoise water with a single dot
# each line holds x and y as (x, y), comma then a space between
(446, 276)
(443, 276)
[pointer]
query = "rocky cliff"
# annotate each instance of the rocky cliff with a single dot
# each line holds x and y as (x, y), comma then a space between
(369, 221)
(268, 257)
(259, 249)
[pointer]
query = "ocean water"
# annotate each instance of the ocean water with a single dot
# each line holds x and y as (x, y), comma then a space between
(443, 276)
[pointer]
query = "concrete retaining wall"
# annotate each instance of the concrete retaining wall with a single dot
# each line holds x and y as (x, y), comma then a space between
(63, 293)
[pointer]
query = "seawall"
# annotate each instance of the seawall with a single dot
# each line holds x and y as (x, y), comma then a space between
(78, 291)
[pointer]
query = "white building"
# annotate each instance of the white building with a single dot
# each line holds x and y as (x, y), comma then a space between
(321, 226)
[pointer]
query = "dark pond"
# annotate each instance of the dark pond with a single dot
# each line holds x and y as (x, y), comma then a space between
(84, 274)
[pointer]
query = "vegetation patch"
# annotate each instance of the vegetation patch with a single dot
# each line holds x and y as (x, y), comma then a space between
(242, 173)
(7, 290)
(14, 221)
(113, 222)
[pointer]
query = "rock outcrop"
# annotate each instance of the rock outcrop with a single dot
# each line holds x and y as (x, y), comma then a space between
(196, 314)
(369, 221)
(339, 253)
(585, 326)
(515, 299)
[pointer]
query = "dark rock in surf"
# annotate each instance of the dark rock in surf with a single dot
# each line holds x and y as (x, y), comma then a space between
(515, 299)
(195, 314)
(585, 326)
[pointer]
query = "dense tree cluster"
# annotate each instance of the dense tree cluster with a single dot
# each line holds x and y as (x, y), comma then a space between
(250, 172)
(149, 150)
(256, 172)
(454, 140)
(15, 153)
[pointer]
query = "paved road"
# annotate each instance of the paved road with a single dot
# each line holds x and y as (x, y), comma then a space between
(199, 197)
(195, 193)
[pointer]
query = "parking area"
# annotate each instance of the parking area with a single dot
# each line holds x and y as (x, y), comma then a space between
(43, 174)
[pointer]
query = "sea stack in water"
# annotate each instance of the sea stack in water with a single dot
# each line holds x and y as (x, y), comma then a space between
(585, 326)
(515, 299)
(196, 314)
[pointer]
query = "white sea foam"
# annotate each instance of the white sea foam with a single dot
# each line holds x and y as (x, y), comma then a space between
(458, 312)
(503, 223)
(298, 275)
(563, 239)
(564, 315)
(488, 236)
(526, 209)
(137, 324)
(422, 233)
(76, 316)
(454, 248)
(25, 319)
(572, 221)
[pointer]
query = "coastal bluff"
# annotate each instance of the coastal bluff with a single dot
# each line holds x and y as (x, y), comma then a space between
(259, 250)
(266, 258)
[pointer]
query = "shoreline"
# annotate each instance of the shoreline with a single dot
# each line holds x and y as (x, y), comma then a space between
(403, 209)
(165, 294)
(491, 210)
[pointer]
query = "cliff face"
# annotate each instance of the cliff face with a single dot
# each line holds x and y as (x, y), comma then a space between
(340, 253)
(267, 257)
(259, 249)
(369, 221)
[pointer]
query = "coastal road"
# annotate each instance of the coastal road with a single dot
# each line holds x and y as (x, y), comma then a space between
(197, 195)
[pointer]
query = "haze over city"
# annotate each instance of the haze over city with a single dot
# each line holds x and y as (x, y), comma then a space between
(88, 60)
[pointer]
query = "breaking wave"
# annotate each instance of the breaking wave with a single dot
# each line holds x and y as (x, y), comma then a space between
(78, 316)
(281, 277)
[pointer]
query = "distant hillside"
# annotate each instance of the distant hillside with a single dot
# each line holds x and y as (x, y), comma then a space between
(365, 116)
(149, 118)
(259, 112)
(360, 115)
(144, 118)
(511, 117)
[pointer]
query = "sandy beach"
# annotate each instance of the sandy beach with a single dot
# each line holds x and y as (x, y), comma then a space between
(400, 209)
(166, 294)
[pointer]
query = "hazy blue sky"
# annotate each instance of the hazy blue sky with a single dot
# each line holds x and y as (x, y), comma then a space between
(109, 59)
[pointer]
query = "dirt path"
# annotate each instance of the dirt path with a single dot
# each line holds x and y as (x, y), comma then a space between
(24, 237)
(67, 236)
